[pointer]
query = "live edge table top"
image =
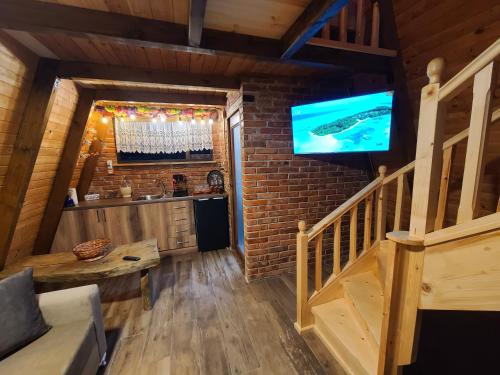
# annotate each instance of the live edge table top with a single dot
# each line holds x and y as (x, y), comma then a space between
(64, 267)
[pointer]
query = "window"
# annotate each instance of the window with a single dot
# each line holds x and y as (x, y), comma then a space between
(163, 141)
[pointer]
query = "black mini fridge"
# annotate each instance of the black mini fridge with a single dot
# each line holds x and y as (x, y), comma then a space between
(212, 224)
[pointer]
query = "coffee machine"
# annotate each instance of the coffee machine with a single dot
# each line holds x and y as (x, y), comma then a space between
(180, 185)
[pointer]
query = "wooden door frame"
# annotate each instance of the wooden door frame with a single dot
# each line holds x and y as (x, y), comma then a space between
(234, 244)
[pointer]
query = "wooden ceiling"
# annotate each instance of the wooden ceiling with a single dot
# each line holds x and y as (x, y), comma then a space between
(231, 38)
(266, 18)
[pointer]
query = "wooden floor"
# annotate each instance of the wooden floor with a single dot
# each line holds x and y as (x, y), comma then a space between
(207, 320)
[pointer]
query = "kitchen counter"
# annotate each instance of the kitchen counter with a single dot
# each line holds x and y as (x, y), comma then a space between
(116, 202)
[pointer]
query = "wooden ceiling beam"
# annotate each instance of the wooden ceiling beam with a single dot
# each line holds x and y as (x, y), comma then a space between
(159, 97)
(312, 20)
(41, 17)
(82, 71)
(62, 179)
(28, 141)
(196, 19)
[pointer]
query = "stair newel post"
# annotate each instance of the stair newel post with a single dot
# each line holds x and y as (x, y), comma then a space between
(403, 317)
(381, 205)
(303, 313)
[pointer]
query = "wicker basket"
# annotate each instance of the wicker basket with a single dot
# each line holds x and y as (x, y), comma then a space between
(91, 249)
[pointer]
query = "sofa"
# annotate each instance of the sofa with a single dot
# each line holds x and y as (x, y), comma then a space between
(76, 343)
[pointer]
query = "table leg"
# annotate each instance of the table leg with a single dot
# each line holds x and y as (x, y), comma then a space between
(148, 288)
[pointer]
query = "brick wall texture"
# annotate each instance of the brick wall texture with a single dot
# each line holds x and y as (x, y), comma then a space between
(143, 178)
(280, 188)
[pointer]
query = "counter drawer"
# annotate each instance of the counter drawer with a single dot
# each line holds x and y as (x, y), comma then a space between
(180, 242)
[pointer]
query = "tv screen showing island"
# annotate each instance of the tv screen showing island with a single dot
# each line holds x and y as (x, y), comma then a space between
(356, 124)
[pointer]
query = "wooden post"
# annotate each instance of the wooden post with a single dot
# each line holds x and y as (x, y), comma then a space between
(429, 156)
(60, 186)
(404, 318)
(375, 25)
(318, 271)
(484, 86)
(367, 235)
(343, 25)
(303, 317)
(399, 339)
(360, 22)
(399, 202)
(353, 234)
(29, 138)
(381, 206)
(325, 31)
(336, 246)
(443, 188)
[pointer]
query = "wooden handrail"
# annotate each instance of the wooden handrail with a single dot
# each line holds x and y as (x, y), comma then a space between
(448, 143)
(343, 208)
(467, 229)
(453, 87)
(403, 170)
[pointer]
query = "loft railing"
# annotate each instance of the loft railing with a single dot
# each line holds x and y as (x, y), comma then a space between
(358, 32)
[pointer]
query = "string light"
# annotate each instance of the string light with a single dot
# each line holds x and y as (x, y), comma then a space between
(210, 121)
(104, 120)
(193, 121)
(132, 117)
(122, 120)
(203, 122)
(153, 120)
(163, 118)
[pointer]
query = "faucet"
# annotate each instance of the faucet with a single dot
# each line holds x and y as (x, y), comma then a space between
(163, 186)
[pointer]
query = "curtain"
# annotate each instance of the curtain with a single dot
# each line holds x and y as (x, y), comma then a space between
(168, 137)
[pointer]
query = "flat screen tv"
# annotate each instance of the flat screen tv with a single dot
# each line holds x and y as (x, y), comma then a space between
(355, 124)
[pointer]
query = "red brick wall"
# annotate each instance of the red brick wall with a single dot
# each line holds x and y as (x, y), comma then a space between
(280, 188)
(143, 178)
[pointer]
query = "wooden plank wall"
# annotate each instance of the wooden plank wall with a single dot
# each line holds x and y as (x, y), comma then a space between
(17, 68)
(44, 171)
(458, 31)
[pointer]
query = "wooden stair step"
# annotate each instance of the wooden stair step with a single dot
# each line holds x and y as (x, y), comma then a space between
(365, 294)
(336, 326)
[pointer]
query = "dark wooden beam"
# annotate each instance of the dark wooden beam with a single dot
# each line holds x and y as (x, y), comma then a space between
(76, 70)
(88, 168)
(42, 17)
(310, 22)
(62, 180)
(29, 138)
(160, 97)
(403, 111)
(196, 19)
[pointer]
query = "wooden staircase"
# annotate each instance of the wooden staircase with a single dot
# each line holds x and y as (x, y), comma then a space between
(366, 312)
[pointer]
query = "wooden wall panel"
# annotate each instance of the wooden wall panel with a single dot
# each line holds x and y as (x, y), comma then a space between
(44, 171)
(458, 31)
(17, 68)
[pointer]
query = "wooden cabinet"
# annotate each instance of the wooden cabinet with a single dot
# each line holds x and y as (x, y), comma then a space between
(153, 223)
(122, 225)
(171, 223)
(76, 227)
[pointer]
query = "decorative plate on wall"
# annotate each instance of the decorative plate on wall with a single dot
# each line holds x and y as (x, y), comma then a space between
(215, 180)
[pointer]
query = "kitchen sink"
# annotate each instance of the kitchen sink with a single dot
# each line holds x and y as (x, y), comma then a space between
(149, 197)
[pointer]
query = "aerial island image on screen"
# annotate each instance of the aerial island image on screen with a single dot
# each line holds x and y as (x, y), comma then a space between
(357, 124)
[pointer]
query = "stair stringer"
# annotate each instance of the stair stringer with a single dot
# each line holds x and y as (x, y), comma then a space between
(462, 274)
(333, 288)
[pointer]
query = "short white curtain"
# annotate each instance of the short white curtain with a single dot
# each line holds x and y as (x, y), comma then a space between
(169, 137)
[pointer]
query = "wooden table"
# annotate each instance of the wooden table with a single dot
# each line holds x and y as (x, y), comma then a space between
(64, 267)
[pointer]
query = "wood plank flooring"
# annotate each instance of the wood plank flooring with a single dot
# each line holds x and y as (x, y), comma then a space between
(207, 320)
